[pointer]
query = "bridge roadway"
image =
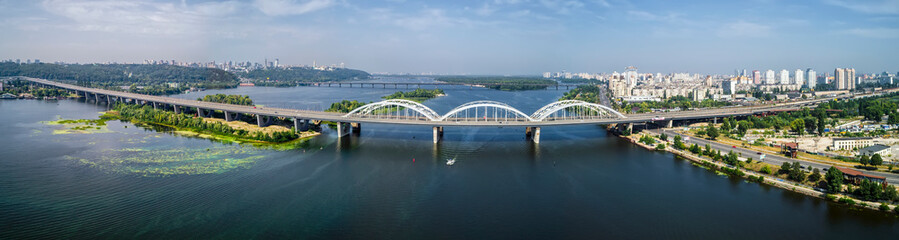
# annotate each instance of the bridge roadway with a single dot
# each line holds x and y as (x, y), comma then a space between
(396, 85)
(663, 119)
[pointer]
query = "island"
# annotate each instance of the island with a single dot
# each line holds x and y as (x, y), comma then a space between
(501, 82)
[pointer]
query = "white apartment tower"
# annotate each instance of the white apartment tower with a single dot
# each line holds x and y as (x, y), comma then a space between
(784, 77)
(769, 77)
(798, 77)
(812, 78)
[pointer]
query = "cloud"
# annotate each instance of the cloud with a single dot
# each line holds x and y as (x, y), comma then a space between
(136, 16)
(563, 7)
(880, 33)
(872, 7)
(291, 7)
(744, 29)
(671, 18)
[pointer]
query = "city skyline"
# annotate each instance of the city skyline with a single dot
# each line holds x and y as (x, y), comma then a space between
(467, 37)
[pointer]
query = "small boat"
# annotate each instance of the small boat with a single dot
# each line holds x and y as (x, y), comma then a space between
(450, 162)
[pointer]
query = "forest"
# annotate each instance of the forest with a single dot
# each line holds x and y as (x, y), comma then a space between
(137, 78)
(501, 83)
(288, 77)
(228, 99)
(344, 106)
(148, 114)
(586, 93)
(418, 95)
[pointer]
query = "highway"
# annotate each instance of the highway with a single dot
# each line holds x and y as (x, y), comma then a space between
(338, 117)
(775, 159)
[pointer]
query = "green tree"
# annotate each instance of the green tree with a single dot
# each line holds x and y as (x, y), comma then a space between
(815, 176)
(864, 160)
(785, 167)
(876, 160)
(663, 137)
(712, 132)
(834, 178)
(766, 170)
(678, 144)
(798, 126)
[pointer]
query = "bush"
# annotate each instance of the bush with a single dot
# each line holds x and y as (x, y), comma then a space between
(661, 146)
(896, 209)
(766, 170)
(830, 197)
(884, 207)
(847, 201)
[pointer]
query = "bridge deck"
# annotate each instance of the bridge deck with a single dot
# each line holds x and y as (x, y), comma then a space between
(339, 117)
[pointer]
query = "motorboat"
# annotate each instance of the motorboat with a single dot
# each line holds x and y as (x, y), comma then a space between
(450, 162)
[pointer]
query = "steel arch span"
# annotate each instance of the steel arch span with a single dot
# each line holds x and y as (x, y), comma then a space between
(497, 106)
(368, 110)
(581, 106)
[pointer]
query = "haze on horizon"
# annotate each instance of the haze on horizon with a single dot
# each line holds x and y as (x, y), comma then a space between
(464, 37)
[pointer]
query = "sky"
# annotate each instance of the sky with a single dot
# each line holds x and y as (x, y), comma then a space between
(505, 37)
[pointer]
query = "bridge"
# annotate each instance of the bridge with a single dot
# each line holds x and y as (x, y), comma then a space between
(397, 111)
(407, 85)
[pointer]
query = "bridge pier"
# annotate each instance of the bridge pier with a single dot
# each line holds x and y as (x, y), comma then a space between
(229, 117)
(341, 129)
(177, 109)
(207, 114)
(154, 105)
(357, 128)
(438, 134)
(263, 121)
(670, 124)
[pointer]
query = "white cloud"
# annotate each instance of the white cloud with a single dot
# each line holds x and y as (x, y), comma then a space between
(136, 16)
(744, 29)
(873, 7)
(562, 6)
(291, 7)
(881, 33)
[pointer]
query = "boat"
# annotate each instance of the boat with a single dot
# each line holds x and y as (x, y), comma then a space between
(450, 162)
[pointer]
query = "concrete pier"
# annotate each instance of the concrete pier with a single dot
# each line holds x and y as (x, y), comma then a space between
(438, 134)
(263, 121)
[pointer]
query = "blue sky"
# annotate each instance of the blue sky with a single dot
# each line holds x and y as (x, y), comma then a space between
(465, 37)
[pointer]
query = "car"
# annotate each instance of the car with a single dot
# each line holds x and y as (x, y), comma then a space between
(759, 153)
(733, 146)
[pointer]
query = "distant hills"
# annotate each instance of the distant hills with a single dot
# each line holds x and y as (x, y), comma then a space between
(293, 75)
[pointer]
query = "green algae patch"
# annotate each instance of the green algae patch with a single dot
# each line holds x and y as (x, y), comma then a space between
(79, 126)
(169, 162)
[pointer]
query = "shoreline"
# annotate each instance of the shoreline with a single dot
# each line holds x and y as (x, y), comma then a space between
(767, 180)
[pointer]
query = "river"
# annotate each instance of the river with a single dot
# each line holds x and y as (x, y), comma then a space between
(391, 182)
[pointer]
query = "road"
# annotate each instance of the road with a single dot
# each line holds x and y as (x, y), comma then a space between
(776, 160)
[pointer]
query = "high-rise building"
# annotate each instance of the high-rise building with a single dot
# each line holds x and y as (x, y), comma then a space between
(756, 77)
(850, 77)
(799, 77)
(839, 79)
(729, 86)
(784, 77)
(630, 76)
(769, 77)
(812, 78)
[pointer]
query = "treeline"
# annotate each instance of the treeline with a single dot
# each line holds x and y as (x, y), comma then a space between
(416, 95)
(228, 99)
(586, 93)
(681, 102)
(148, 114)
(142, 78)
(17, 87)
(344, 106)
(286, 77)
(502, 83)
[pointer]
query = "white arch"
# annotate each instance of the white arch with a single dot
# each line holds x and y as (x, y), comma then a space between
(477, 104)
(414, 106)
(551, 108)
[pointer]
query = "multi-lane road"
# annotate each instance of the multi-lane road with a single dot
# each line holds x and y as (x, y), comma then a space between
(774, 159)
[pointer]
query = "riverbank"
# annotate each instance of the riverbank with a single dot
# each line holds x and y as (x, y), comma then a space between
(759, 177)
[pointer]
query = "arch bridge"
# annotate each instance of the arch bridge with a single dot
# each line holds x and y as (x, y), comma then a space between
(396, 111)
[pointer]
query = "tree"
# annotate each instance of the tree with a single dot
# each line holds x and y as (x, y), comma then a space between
(766, 170)
(796, 172)
(663, 137)
(821, 123)
(785, 167)
(678, 144)
(876, 160)
(864, 160)
(834, 178)
(743, 126)
(798, 126)
(712, 132)
(816, 175)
